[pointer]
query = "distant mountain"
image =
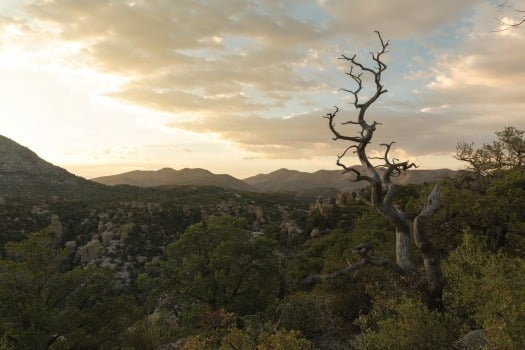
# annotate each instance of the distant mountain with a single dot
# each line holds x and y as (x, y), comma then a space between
(171, 177)
(24, 174)
(282, 180)
(292, 180)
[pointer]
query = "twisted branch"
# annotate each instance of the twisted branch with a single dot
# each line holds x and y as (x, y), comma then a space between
(362, 250)
(380, 199)
(506, 25)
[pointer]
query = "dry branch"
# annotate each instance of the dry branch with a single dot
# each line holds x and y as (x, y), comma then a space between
(382, 189)
(365, 259)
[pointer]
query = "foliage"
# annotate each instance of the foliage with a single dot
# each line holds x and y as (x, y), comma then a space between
(507, 152)
(217, 285)
(503, 208)
(486, 291)
(225, 335)
(406, 324)
(495, 209)
(43, 306)
(147, 334)
(220, 263)
(311, 314)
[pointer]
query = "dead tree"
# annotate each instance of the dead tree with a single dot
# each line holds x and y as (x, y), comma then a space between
(382, 188)
(505, 24)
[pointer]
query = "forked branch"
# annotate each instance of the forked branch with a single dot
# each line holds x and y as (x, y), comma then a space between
(362, 250)
(366, 132)
(382, 188)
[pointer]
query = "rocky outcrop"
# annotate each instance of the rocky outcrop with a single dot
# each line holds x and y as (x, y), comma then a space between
(325, 206)
(70, 246)
(344, 198)
(90, 251)
(315, 232)
(291, 228)
(473, 340)
(124, 231)
(55, 228)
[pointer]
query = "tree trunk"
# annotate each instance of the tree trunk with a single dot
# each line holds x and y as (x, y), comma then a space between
(403, 251)
(435, 281)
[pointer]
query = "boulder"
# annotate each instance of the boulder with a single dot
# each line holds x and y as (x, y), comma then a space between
(292, 228)
(70, 245)
(55, 227)
(106, 236)
(315, 232)
(473, 340)
(89, 251)
(125, 230)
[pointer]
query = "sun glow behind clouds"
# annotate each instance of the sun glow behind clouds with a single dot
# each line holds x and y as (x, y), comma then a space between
(55, 104)
(237, 85)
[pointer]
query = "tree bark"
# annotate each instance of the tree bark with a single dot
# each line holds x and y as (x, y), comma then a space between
(435, 281)
(403, 251)
(382, 189)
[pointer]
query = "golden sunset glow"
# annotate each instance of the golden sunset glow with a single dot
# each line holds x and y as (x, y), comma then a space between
(240, 87)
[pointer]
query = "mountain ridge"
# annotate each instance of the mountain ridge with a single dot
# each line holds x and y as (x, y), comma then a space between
(172, 177)
(280, 180)
(293, 180)
(24, 173)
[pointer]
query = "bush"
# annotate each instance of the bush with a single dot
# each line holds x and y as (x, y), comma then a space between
(406, 324)
(487, 291)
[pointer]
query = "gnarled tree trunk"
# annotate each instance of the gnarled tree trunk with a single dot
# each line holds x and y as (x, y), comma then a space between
(382, 188)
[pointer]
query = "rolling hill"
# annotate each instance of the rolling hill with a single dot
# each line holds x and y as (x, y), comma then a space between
(171, 177)
(24, 174)
(292, 180)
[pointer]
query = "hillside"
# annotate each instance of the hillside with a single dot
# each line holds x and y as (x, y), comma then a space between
(23, 174)
(292, 180)
(171, 177)
(150, 256)
(282, 180)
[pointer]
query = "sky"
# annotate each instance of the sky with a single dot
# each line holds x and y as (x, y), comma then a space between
(101, 87)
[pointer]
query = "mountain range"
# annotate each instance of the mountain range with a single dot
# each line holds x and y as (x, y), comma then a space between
(23, 174)
(282, 180)
(171, 177)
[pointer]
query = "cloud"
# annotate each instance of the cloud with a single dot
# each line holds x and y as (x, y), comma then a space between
(400, 19)
(301, 137)
(186, 54)
(481, 82)
(240, 66)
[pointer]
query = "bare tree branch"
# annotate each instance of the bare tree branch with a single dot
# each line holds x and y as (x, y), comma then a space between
(362, 250)
(382, 188)
(504, 25)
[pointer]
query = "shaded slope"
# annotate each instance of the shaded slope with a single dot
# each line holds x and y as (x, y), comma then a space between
(292, 180)
(23, 174)
(171, 177)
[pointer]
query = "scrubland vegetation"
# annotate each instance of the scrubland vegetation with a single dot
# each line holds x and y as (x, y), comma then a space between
(215, 281)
